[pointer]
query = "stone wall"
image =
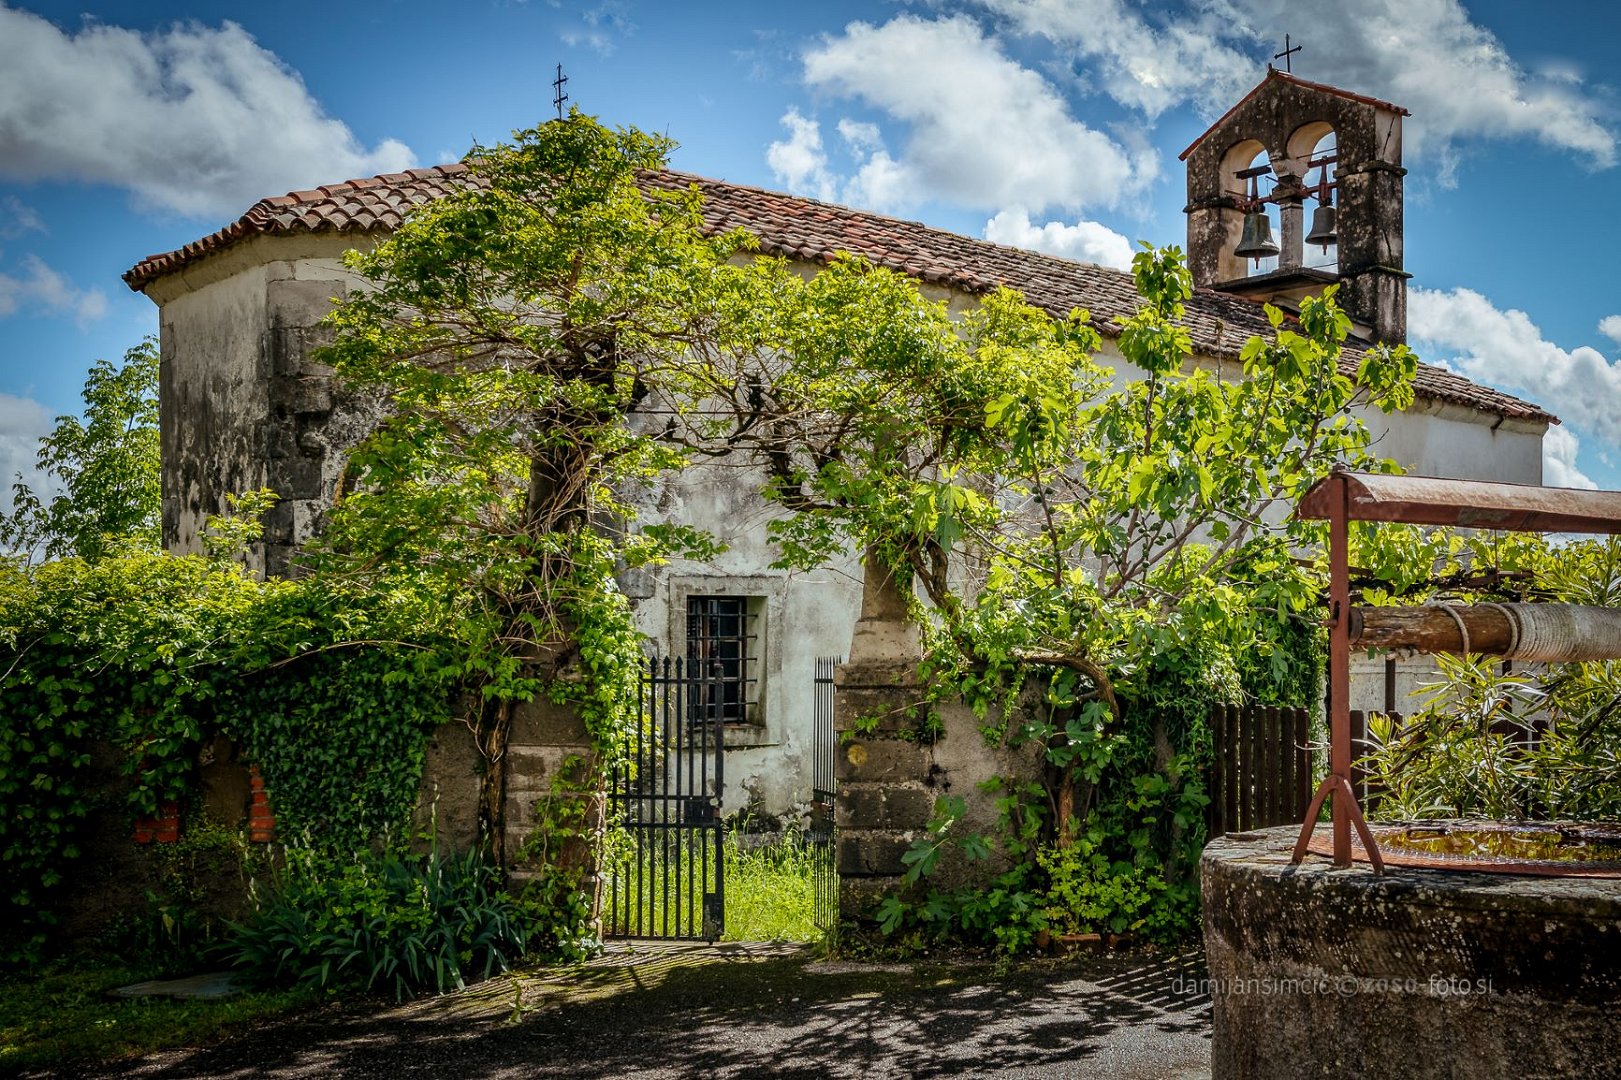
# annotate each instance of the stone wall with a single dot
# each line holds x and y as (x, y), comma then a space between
(888, 777)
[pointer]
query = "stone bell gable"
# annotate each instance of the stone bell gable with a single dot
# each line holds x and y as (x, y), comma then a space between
(1286, 118)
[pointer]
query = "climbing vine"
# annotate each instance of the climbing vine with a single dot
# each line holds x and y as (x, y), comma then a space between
(147, 656)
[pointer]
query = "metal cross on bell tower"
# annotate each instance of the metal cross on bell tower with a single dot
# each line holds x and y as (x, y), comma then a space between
(1287, 55)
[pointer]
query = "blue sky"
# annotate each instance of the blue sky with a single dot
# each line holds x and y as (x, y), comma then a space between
(137, 127)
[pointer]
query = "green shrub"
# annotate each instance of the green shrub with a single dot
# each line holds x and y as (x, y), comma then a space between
(409, 924)
(331, 690)
(1541, 742)
(1087, 892)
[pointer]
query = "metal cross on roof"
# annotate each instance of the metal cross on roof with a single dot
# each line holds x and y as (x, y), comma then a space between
(1285, 55)
(558, 97)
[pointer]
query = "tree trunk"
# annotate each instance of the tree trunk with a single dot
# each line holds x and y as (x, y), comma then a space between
(492, 809)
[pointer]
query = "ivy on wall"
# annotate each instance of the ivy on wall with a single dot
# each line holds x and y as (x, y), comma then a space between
(332, 693)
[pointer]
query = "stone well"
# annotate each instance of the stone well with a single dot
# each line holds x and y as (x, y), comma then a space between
(1413, 974)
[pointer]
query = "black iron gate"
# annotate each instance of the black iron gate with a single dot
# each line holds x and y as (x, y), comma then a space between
(667, 878)
(823, 795)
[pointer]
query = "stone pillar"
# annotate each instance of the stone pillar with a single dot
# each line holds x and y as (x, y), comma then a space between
(885, 797)
(888, 778)
(554, 800)
(1374, 289)
(1290, 243)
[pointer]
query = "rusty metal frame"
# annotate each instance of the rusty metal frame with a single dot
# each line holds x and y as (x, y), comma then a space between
(1343, 497)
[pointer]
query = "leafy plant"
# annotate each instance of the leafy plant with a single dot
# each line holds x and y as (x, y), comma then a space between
(386, 922)
(332, 691)
(1485, 742)
(1103, 562)
(1089, 892)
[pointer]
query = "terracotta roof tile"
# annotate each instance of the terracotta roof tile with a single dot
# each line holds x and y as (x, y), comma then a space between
(790, 225)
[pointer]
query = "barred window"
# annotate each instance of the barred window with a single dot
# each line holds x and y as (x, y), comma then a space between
(723, 656)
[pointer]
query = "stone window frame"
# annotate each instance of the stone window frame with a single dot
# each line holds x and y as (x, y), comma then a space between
(766, 594)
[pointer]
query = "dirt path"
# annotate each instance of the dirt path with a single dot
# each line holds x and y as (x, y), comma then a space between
(749, 1011)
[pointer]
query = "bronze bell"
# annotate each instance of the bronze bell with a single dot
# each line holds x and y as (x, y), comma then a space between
(1257, 242)
(1322, 227)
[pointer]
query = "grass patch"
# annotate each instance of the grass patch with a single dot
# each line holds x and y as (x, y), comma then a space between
(62, 1014)
(770, 891)
(659, 889)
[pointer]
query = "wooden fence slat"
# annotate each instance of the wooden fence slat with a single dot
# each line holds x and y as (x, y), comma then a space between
(1230, 795)
(1258, 783)
(1303, 776)
(1359, 742)
(1247, 769)
(1286, 767)
(1261, 773)
(1275, 766)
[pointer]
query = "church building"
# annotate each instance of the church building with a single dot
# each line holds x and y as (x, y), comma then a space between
(1298, 187)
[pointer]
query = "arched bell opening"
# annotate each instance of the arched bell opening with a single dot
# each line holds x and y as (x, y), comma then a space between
(1248, 178)
(1314, 153)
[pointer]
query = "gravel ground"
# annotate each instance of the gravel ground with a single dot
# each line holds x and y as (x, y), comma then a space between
(666, 1010)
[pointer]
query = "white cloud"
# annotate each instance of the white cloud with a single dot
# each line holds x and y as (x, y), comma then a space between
(984, 131)
(1559, 449)
(1505, 348)
(1427, 55)
(17, 217)
(1085, 241)
(799, 161)
(598, 27)
(862, 138)
(1463, 330)
(882, 183)
(194, 119)
(1146, 67)
(23, 422)
(1610, 327)
(41, 288)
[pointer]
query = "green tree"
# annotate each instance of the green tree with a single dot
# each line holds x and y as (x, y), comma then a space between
(559, 336)
(105, 464)
(1125, 547)
(514, 330)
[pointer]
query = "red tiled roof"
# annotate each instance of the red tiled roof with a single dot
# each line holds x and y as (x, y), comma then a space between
(814, 231)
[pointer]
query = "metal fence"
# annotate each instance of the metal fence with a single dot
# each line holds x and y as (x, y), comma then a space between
(667, 878)
(824, 793)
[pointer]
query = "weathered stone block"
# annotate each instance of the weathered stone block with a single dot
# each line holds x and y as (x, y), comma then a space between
(307, 394)
(881, 759)
(297, 476)
(878, 709)
(891, 674)
(862, 855)
(883, 806)
(278, 524)
(452, 776)
(536, 768)
(543, 723)
(858, 896)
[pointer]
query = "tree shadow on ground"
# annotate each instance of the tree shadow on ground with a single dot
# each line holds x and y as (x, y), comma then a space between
(719, 1013)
